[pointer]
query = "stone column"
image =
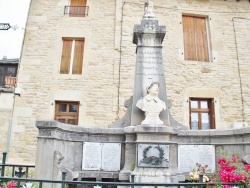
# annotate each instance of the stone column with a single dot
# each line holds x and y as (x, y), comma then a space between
(130, 153)
(148, 37)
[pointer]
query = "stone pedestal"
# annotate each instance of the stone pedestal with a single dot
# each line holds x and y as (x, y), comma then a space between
(151, 137)
(157, 136)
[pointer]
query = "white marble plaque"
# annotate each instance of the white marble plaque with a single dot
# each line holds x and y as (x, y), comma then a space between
(153, 155)
(189, 155)
(92, 156)
(111, 156)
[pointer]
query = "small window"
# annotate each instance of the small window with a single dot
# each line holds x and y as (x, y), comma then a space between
(196, 46)
(67, 112)
(77, 8)
(72, 56)
(201, 114)
(8, 75)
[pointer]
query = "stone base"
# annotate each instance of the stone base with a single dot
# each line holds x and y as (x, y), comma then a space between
(148, 129)
(156, 179)
(174, 178)
(157, 175)
(124, 176)
(149, 133)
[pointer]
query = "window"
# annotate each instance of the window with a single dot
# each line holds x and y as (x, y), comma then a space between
(8, 75)
(67, 112)
(72, 56)
(77, 8)
(195, 38)
(201, 114)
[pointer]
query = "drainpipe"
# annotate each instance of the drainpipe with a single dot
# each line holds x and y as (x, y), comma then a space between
(120, 62)
(238, 63)
(10, 127)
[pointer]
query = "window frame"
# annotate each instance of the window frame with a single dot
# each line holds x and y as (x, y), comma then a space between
(200, 110)
(72, 56)
(206, 50)
(5, 67)
(67, 115)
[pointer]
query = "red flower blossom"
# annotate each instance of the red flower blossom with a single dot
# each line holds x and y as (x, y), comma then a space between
(233, 170)
(247, 168)
(11, 184)
(222, 161)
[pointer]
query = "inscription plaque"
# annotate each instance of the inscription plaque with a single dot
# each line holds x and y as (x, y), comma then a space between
(111, 155)
(149, 62)
(189, 155)
(92, 156)
(101, 156)
(153, 155)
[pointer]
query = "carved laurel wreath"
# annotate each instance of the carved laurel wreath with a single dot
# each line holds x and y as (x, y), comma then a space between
(153, 160)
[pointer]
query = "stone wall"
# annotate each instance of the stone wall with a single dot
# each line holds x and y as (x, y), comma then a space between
(6, 105)
(108, 70)
(60, 147)
(4, 116)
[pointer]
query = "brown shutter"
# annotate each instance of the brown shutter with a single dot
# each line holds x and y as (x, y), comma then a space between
(73, 8)
(66, 54)
(189, 38)
(77, 8)
(195, 38)
(201, 39)
(212, 115)
(78, 57)
(78, 3)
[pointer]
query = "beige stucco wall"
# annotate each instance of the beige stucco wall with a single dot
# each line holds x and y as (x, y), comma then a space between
(97, 87)
(6, 105)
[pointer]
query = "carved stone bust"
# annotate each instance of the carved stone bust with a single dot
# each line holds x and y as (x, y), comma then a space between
(152, 105)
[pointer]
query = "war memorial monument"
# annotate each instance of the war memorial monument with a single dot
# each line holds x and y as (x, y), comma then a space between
(147, 142)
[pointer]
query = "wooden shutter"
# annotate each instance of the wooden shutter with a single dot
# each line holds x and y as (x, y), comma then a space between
(66, 55)
(189, 38)
(201, 39)
(78, 57)
(195, 38)
(77, 8)
(78, 3)
(212, 115)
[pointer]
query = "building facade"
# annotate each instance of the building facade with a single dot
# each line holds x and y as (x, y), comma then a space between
(8, 72)
(78, 64)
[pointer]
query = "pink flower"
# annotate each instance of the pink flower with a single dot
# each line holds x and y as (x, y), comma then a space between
(226, 186)
(11, 184)
(235, 158)
(247, 168)
(232, 170)
(222, 161)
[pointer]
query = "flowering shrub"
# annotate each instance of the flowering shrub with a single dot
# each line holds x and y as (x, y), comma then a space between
(11, 184)
(232, 170)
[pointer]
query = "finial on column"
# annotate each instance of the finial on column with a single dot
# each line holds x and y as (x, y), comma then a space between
(148, 9)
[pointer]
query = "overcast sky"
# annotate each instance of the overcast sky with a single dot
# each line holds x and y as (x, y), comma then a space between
(12, 12)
